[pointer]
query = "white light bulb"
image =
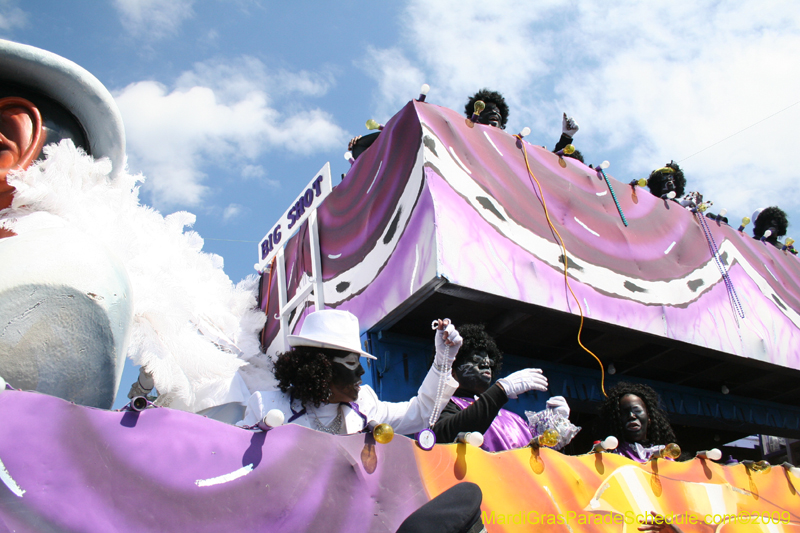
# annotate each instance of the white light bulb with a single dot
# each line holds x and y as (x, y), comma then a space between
(767, 234)
(525, 132)
(795, 471)
(424, 89)
(604, 165)
(475, 438)
(722, 212)
(671, 195)
(610, 443)
(612, 369)
(274, 418)
(725, 390)
(714, 454)
(2, 385)
(348, 156)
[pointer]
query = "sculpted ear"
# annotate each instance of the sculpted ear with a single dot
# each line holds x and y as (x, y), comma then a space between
(22, 133)
(21, 139)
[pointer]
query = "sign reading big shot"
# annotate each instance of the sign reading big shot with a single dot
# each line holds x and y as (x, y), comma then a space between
(311, 198)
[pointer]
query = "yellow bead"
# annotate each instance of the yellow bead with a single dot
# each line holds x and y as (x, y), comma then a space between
(672, 450)
(383, 433)
(549, 438)
(762, 466)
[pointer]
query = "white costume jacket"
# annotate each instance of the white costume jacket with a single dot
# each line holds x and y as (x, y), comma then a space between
(404, 417)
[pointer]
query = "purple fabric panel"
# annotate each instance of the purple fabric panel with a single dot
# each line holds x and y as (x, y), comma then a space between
(84, 469)
(357, 212)
(573, 192)
(411, 266)
(507, 432)
(297, 256)
(474, 255)
(475, 251)
(569, 192)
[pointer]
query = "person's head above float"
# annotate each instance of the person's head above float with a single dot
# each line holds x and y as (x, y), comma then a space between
(478, 361)
(576, 155)
(496, 111)
(632, 413)
(770, 218)
(659, 180)
(323, 365)
(45, 98)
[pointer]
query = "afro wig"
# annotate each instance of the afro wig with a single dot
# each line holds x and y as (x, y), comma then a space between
(487, 97)
(306, 373)
(657, 182)
(772, 218)
(476, 339)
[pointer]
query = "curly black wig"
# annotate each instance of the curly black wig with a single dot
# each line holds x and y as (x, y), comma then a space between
(475, 339)
(657, 182)
(488, 96)
(306, 373)
(611, 421)
(771, 217)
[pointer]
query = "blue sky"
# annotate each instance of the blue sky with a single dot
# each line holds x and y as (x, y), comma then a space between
(231, 106)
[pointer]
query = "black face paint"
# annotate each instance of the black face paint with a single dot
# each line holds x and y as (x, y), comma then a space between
(474, 374)
(491, 116)
(635, 418)
(346, 380)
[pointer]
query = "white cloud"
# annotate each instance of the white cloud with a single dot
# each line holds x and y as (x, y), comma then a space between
(216, 115)
(397, 79)
(233, 79)
(259, 173)
(232, 211)
(11, 16)
(647, 81)
(153, 18)
(253, 171)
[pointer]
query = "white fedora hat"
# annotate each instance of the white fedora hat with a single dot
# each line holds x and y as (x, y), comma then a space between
(73, 87)
(330, 328)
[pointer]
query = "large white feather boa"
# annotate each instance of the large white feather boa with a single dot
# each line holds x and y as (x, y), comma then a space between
(192, 328)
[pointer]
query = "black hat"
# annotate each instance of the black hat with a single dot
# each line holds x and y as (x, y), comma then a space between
(456, 510)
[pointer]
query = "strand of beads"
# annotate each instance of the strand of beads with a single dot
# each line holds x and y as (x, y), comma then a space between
(440, 389)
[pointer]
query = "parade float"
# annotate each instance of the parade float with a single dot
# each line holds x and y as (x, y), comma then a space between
(439, 217)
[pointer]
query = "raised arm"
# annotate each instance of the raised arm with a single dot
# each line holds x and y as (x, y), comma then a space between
(476, 417)
(414, 415)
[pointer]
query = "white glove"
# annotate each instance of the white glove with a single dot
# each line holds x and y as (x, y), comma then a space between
(559, 405)
(523, 381)
(447, 342)
(569, 126)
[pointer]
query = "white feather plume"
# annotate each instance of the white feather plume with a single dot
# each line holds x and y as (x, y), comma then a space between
(193, 328)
